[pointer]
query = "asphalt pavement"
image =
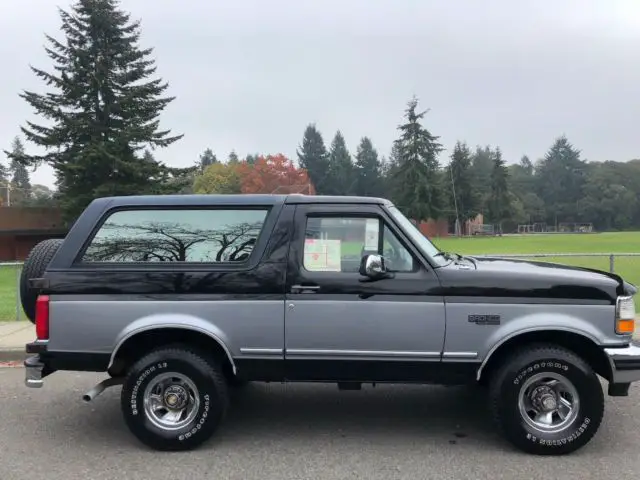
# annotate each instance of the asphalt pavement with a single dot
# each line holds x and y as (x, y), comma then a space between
(295, 432)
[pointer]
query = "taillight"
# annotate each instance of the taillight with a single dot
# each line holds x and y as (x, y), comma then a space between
(42, 317)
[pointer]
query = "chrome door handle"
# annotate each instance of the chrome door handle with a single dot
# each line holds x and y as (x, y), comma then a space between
(302, 288)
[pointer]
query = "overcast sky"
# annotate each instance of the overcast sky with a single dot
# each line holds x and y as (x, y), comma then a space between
(250, 75)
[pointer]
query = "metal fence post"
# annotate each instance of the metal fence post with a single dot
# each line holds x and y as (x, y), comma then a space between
(18, 303)
(612, 263)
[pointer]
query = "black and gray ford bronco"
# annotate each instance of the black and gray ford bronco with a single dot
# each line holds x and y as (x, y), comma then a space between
(181, 298)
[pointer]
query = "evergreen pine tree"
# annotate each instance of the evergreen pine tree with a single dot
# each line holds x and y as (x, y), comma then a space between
(233, 158)
(368, 175)
(3, 184)
(560, 178)
(103, 111)
(481, 168)
(19, 173)
(417, 188)
(313, 157)
(499, 200)
(461, 178)
(207, 158)
(4, 173)
(340, 169)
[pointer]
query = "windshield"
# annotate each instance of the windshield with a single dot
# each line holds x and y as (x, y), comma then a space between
(422, 242)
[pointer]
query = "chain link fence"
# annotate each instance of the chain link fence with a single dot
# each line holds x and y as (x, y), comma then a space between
(625, 264)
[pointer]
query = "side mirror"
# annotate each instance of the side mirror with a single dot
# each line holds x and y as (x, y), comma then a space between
(373, 266)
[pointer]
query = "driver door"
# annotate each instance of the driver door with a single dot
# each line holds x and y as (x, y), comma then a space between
(341, 327)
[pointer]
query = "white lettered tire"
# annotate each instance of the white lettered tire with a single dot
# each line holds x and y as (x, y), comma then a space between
(174, 398)
(547, 400)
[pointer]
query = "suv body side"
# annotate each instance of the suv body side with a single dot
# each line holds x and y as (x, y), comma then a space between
(438, 323)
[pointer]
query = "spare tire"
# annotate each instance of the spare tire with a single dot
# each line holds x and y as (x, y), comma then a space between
(34, 266)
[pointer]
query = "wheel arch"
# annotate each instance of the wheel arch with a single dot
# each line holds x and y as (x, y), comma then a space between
(582, 345)
(140, 341)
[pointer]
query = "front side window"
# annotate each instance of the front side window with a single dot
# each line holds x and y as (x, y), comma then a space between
(337, 244)
(158, 235)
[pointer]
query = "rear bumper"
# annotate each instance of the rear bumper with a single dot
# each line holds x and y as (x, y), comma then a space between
(34, 371)
(44, 362)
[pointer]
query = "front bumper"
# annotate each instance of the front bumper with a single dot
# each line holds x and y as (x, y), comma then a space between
(624, 363)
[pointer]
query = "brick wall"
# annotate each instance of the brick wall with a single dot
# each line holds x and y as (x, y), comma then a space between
(434, 228)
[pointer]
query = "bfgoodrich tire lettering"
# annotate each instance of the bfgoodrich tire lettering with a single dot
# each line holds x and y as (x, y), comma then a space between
(210, 399)
(559, 365)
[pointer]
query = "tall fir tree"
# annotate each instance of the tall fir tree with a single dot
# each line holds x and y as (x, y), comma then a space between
(313, 157)
(499, 200)
(340, 169)
(4, 174)
(560, 179)
(417, 191)
(368, 170)
(104, 109)
(207, 158)
(18, 171)
(463, 195)
(251, 159)
(233, 158)
(481, 168)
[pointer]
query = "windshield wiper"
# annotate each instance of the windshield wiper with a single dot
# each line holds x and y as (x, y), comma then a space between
(453, 256)
(446, 255)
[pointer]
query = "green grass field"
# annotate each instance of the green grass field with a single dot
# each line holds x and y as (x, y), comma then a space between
(627, 242)
(8, 293)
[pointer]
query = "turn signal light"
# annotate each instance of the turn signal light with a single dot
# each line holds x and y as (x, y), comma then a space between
(625, 315)
(624, 327)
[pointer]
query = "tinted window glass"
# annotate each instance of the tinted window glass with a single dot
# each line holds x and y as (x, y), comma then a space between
(177, 236)
(337, 244)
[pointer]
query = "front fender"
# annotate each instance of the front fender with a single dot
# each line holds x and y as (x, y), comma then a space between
(542, 322)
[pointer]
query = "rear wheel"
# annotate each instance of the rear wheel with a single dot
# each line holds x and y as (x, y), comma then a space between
(547, 400)
(174, 398)
(34, 266)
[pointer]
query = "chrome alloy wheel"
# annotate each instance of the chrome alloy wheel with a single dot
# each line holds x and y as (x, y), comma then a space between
(171, 401)
(548, 402)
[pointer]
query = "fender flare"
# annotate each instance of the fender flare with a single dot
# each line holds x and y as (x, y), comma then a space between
(524, 331)
(136, 331)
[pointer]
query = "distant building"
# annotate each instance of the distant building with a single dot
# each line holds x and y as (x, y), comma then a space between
(23, 227)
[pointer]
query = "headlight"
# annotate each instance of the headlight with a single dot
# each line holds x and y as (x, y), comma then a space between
(625, 315)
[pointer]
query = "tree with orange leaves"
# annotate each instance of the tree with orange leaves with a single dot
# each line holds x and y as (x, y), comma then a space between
(274, 174)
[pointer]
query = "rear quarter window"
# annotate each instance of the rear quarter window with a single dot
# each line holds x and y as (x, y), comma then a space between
(181, 235)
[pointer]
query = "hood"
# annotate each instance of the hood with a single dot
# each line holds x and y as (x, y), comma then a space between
(500, 277)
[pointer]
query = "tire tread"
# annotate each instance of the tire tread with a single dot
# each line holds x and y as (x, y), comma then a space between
(200, 360)
(34, 266)
(536, 350)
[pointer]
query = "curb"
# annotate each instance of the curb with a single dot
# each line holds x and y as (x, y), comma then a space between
(13, 355)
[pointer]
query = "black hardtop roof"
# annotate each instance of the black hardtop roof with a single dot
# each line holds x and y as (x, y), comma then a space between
(238, 199)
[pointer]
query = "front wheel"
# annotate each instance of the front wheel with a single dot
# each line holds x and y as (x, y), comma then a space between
(174, 399)
(547, 400)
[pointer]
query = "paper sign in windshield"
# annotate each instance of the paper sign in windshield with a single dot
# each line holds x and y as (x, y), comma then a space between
(371, 234)
(322, 255)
